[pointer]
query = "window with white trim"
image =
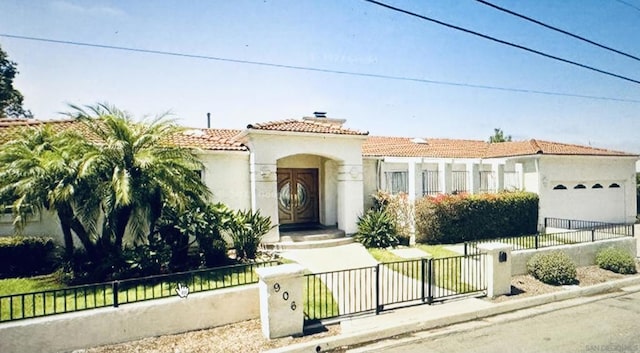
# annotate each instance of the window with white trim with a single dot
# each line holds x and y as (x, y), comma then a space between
(396, 182)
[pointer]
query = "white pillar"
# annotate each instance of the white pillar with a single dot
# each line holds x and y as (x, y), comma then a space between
(444, 177)
(473, 177)
(350, 197)
(412, 180)
(498, 176)
(281, 300)
(498, 268)
(264, 181)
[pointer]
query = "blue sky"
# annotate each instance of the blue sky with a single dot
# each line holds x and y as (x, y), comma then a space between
(347, 35)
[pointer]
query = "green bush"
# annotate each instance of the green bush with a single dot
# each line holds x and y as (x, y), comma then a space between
(447, 219)
(247, 230)
(616, 260)
(552, 268)
(27, 256)
(400, 210)
(376, 229)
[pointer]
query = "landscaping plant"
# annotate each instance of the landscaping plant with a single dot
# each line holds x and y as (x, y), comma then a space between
(247, 230)
(552, 268)
(616, 260)
(376, 229)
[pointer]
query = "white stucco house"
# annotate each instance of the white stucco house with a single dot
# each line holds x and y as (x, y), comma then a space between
(315, 171)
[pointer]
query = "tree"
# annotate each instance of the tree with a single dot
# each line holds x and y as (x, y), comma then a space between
(498, 136)
(10, 98)
(135, 172)
(38, 171)
(114, 179)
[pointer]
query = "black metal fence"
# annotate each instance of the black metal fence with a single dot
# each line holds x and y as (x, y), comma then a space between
(577, 232)
(392, 284)
(92, 296)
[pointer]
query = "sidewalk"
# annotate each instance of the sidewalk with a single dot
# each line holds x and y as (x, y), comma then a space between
(405, 321)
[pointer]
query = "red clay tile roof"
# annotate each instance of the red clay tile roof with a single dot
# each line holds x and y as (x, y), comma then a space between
(206, 139)
(293, 125)
(373, 146)
(378, 146)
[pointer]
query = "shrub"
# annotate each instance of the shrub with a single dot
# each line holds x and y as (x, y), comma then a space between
(376, 230)
(616, 260)
(247, 230)
(552, 268)
(27, 256)
(457, 218)
(400, 210)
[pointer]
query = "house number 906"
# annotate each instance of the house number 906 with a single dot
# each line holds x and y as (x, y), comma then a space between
(285, 295)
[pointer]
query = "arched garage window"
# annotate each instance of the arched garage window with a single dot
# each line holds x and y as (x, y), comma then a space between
(559, 187)
(596, 186)
(579, 186)
(614, 185)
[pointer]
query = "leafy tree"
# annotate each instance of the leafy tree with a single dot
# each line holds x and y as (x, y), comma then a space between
(10, 98)
(113, 180)
(498, 136)
(38, 170)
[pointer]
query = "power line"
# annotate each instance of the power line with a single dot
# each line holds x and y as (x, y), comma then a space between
(558, 29)
(315, 69)
(534, 51)
(629, 4)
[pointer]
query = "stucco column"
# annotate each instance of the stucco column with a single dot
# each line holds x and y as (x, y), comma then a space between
(411, 180)
(350, 196)
(264, 195)
(281, 300)
(497, 268)
(473, 177)
(498, 176)
(444, 177)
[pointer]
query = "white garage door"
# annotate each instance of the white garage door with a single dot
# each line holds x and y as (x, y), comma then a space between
(585, 201)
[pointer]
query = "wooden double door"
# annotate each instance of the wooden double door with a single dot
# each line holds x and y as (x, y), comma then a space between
(298, 195)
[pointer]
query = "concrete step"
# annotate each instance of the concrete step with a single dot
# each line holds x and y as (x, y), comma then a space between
(311, 239)
(312, 244)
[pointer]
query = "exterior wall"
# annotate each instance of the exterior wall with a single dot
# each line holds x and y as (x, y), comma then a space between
(67, 332)
(44, 223)
(268, 148)
(370, 180)
(607, 204)
(581, 254)
(226, 174)
(530, 176)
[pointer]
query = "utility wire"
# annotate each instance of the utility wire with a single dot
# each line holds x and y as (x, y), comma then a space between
(558, 29)
(629, 4)
(315, 69)
(534, 51)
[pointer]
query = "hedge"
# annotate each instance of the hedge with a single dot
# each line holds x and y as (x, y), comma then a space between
(26, 256)
(448, 219)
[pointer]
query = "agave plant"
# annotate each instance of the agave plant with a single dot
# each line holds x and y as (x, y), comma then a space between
(247, 231)
(376, 229)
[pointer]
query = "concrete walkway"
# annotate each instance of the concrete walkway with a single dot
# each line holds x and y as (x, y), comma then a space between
(336, 258)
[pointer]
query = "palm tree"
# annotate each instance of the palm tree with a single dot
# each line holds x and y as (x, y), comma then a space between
(38, 172)
(135, 170)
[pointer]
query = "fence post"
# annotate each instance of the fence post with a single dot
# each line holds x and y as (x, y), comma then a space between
(281, 300)
(593, 235)
(114, 289)
(378, 309)
(465, 248)
(423, 276)
(498, 268)
(569, 224)
(545, 223)
(537, 241)
(430, 280)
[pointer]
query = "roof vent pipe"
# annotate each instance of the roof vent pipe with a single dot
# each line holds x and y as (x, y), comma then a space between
(208, 120)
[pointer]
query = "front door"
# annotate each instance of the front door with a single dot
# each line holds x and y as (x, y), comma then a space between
(297, 195)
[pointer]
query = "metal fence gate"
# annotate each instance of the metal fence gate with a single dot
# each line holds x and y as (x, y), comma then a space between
(391, 285)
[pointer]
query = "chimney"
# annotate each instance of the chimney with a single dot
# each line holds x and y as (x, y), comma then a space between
(208, 120)
(321, 117)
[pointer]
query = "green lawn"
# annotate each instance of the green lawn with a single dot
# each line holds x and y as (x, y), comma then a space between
(54, 298)
(319, 302)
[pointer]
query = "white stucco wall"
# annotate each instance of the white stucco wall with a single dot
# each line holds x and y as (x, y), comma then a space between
(268, 148)
(615, 205)
(370, 180)
(43, 223)
(581, 254)
(226, 174)
(91, 328)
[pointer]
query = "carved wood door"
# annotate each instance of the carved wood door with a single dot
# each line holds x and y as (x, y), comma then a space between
(297, 195)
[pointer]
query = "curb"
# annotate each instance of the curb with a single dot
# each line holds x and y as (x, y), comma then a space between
(329, 343)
